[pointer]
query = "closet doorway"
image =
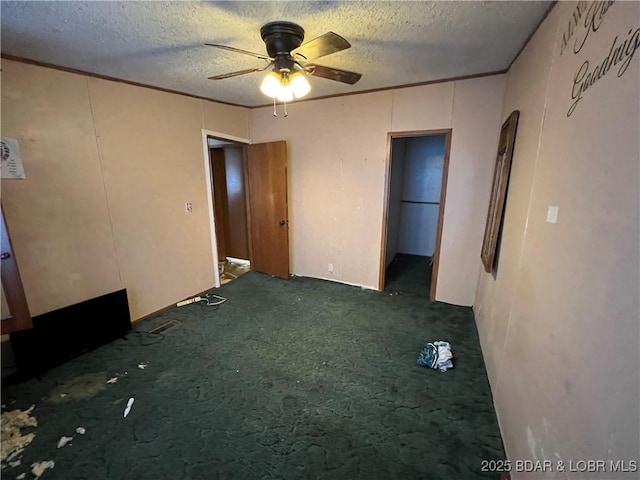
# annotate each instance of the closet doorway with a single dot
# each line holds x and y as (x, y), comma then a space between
(417, 167)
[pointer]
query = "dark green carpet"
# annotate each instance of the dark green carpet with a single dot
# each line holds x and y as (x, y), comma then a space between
(409, 274)
(288, 379)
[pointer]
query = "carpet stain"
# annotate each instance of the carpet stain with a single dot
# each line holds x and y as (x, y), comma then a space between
(80, 387)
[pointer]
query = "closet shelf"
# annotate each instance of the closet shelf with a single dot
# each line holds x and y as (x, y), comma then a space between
(420, 203)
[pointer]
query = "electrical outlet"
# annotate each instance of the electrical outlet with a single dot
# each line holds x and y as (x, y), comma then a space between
(189, 207)
(552, 214)
(330, 267)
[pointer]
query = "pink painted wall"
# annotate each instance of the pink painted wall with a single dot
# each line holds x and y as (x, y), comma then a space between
(560, 322)
(337, 158)
(109, 168)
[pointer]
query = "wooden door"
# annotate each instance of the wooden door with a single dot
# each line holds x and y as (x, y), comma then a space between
(20, 318)
(237, 235)
(267, 205)
(220, 208)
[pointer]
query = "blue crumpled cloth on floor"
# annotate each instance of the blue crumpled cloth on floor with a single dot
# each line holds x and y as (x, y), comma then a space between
(436, 355)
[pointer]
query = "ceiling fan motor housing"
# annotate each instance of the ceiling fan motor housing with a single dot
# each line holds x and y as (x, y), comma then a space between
(288, 57)
(280, 38)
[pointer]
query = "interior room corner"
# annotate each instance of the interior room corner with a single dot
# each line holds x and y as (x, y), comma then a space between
(305, 240)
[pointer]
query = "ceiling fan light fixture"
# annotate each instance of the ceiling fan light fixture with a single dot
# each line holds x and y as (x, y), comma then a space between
(285, 94)
(285, 87)
(288, 57)
(271, 85)
(299, 84)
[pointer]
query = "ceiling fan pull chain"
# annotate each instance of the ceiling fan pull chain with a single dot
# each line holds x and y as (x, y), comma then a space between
(285, 109)
(275, 113)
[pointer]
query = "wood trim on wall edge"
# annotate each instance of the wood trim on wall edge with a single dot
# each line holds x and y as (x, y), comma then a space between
(28, 61)
(396, 87)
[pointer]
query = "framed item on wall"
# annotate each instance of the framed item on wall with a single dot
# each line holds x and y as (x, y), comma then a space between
(499, 190)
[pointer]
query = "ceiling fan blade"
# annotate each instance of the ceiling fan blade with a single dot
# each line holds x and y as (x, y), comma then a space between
(237, 50)
(323, 45)
(236, 74)
(333, 74)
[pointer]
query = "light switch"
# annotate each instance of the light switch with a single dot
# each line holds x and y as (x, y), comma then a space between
(552, 214)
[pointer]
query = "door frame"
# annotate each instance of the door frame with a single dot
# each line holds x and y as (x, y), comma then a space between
(206, 134)
(443, 194)
(19, 315)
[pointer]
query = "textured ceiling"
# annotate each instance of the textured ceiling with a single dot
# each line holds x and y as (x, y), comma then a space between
(161, 43)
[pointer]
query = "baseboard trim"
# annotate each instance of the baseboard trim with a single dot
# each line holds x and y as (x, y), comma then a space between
(334, 280)
(164, 309)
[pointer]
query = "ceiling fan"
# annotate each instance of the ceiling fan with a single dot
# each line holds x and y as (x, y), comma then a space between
(289, 58)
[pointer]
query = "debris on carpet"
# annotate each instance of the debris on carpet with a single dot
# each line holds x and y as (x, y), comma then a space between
(128, 408)
(64, 441)
(230, 270)
(112, 380)
(143, 365)
(13, 441)
(39, 468)
(81, 430)
(436, 355)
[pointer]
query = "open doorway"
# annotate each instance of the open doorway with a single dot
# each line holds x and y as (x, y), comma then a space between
(415, 193)
(227, 162)
(247, 204)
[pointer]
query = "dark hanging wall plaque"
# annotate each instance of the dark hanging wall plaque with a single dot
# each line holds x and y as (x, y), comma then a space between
(499, 190)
